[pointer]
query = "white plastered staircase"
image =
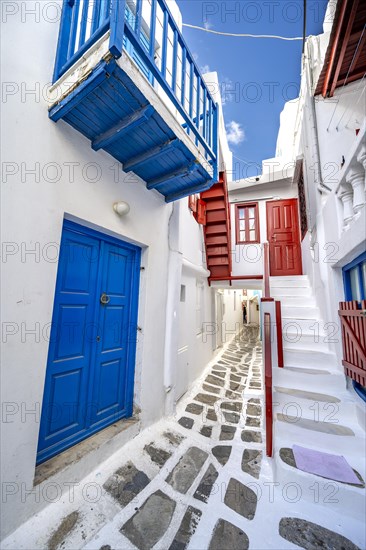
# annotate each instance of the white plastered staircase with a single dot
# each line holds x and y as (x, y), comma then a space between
(318, 411)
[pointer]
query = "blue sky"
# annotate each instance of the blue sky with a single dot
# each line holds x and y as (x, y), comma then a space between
(257, 76)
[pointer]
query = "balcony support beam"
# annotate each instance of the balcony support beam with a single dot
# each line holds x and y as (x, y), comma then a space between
(125, 125)
(154, 152)
(168, 178)
(189, 191)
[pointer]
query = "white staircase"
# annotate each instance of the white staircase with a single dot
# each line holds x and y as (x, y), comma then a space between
(312, 406)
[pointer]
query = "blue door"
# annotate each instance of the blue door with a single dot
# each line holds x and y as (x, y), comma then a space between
(91, 359)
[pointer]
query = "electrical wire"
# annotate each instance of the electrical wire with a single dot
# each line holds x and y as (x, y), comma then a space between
(243, 35)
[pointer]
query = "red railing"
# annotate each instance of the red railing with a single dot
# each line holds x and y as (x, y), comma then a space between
(279, 334)
(268, 383)
(353, 320)
(267, 291)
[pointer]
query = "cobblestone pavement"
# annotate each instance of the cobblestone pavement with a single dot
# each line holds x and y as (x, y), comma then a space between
(198, 481)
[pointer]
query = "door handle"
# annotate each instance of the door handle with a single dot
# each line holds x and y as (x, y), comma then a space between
(105, 299)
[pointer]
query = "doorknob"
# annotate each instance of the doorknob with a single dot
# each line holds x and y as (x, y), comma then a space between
(105, 299)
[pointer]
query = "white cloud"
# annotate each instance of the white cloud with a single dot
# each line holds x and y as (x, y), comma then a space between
(235, 133)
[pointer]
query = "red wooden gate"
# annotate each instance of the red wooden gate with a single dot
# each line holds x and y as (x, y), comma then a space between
(353, 319)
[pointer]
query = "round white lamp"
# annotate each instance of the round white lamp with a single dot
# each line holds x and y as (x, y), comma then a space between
(121, 208)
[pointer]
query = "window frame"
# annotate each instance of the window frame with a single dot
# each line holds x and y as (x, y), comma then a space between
(356, 263)
(247, 205)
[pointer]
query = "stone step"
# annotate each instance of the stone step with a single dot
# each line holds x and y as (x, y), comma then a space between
(300, 312)
(296, 301)
(338, 497)
(308, 379)
(290, 291)
(297, 280)
(299, 340)
(311, 325)
(335, 408)
(310, 358)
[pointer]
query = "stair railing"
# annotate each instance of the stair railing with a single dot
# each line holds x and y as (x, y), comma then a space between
(267, 290)
(268, 384)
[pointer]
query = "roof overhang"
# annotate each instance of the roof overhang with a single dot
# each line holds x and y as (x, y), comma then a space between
(345, 59)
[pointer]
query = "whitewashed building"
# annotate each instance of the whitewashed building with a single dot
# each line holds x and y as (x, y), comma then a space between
(119, 290)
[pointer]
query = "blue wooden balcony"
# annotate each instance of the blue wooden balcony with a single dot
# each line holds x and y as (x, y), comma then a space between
(125, 78)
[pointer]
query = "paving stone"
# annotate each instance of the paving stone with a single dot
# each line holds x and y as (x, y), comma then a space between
(287, 456)
(173, 438)
(206, 399)
(241, 499)
(194, 408)
(211, 415)
(106, 547)
(221, 453)
(255, 385)
(250, 436)
(254, 410)
(186, 422)
(126, 483)
(235, 406)
(204, 489)
(68, 523)
(254, 422)
(206, 431)
(231, 417)
(214, 381)
(235, 378)
(150, 522)
(218, 373)
(185, 472)
(220, 367)
(254, 400)
(251, 462)
(227, 433)
(235, 386)
(187, 528)
(302, 394)
(323, 427)
(232, 395)
(157, 455)
(212, 389)
(311, 536)
(226, 535)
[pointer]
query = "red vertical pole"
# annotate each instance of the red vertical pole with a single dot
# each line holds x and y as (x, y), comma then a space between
(268, 383)
(279, 334)
(266, 270)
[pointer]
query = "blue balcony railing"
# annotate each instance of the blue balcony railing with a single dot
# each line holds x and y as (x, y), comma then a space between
(146, 30)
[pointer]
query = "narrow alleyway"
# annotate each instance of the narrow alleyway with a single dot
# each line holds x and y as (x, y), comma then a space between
(199, 481)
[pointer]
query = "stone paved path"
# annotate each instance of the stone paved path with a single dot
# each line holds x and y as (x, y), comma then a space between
(198, 481)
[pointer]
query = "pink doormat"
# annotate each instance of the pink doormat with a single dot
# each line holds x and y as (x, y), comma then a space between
(333, 467)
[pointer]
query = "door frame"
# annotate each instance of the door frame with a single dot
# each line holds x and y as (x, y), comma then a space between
(127, 412)
(298, 232)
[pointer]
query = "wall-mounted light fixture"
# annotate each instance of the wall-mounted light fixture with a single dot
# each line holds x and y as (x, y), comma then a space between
(121, 208)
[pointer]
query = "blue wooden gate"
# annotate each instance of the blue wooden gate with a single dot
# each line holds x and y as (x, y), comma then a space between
(90, 370)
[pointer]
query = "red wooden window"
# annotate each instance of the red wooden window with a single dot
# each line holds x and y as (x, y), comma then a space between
(247, 223)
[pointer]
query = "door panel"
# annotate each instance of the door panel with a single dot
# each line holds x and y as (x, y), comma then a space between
(115, 329)
(284, 237)
(90, 369)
